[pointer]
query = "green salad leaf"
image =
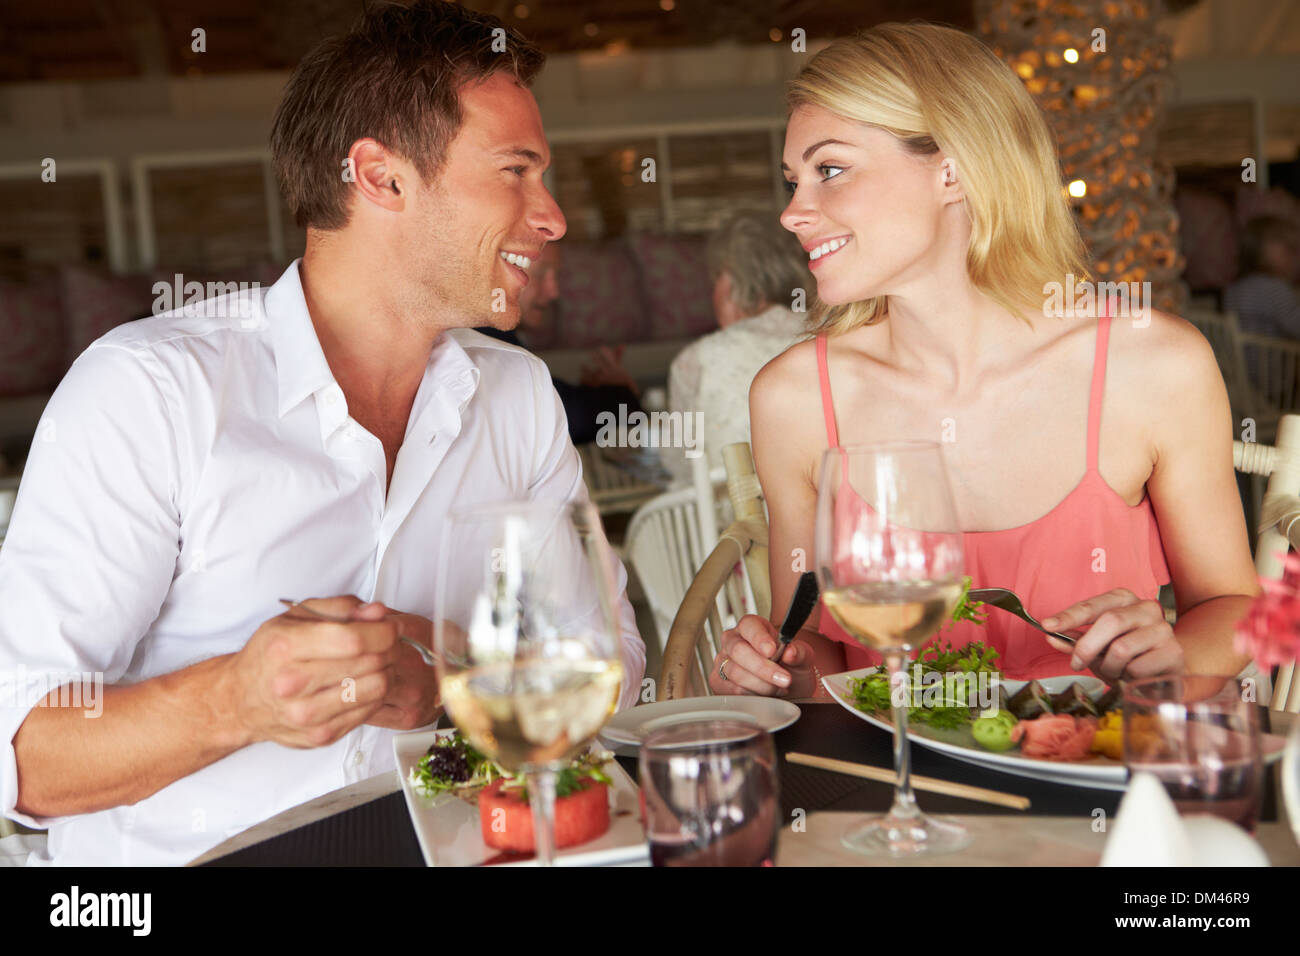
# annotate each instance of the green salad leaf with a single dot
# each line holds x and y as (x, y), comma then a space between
(578, 775)
(871, 693)
(965, 609)
(452, 763)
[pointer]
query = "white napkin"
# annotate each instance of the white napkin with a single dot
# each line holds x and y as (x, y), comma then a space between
(1149, 832)
(17, 847)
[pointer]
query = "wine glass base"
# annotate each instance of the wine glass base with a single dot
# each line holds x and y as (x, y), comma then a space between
(887, 835)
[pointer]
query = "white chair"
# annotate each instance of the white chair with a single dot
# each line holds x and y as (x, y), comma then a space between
(1273, 369)
(714, 597)
(1279, 523)
(612, 489)
(1225, 338)
(667, 542)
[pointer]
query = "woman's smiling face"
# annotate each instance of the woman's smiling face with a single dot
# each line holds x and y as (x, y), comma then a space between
(865, 209)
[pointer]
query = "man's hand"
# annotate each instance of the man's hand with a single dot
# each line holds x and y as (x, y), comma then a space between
(303, 682)
(412, 698)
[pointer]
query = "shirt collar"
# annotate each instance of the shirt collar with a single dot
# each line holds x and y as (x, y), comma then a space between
(451, 377)
(450, 381)
(300, 365)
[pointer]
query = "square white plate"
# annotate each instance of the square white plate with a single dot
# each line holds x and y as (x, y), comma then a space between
(447, 827)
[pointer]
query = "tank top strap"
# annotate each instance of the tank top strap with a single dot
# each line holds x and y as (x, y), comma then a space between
(1098, 386)
(828, 409)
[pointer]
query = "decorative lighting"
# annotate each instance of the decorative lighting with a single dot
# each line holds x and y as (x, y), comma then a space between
(774, 34)
(1104, 111)
(521, 11)
(616, 47)
(591, 29)
(667, 5)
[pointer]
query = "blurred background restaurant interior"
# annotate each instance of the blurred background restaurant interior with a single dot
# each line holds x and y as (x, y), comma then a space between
(1175, 131)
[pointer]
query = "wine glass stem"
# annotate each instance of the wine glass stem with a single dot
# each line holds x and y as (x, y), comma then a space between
(904, 807)
(541, 787)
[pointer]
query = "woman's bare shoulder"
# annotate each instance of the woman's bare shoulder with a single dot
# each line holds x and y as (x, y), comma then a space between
(790, 377)
(1161, 355)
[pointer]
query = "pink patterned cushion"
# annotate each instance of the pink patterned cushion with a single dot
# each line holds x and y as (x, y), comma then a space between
(678, 292)
(96, 303)
(31, 337)
(600, 302)
(1208, 237)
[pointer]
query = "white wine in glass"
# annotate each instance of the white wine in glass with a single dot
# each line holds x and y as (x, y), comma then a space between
(528, 663)
(890, 562)
(892, 616)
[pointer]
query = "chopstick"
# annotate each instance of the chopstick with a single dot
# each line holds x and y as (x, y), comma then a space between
(920, 783)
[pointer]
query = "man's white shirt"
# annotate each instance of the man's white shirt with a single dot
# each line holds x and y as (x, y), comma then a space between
(192, 469)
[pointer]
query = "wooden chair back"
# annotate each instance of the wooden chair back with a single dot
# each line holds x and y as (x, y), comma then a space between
(695, 634)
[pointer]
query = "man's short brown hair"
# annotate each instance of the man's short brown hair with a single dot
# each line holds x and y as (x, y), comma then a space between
(395, 76)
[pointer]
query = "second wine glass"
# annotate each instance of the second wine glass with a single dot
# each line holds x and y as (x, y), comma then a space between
(890, 562)
(529, 665)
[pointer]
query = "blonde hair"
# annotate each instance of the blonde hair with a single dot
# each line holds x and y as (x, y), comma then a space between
(938, 89)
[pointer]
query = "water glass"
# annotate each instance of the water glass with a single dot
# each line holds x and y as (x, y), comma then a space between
(1200, 736)
(710, 794)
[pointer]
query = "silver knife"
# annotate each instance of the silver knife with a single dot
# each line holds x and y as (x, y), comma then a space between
(1010, 602)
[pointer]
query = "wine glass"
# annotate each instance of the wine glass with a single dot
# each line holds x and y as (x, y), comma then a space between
(890, 562)
(529, 665)
(1199, 735)
(710, 789)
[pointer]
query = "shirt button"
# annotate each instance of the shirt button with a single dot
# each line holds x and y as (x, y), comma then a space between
(358, 757)
(331, 397)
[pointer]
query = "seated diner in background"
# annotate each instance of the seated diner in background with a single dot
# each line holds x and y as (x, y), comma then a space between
(605, 384)
(1090, 456)
(758, 273)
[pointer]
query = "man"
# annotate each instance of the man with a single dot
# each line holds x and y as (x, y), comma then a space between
(1264, 298)
(192, 470)
(605, 384)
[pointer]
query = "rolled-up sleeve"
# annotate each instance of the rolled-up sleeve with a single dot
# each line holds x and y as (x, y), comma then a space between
(92, 544)
(559, 476)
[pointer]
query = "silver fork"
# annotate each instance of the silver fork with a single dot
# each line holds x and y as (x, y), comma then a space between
(1009, 601)
(425, 654)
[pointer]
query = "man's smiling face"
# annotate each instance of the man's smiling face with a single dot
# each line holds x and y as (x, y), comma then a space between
(484, 220)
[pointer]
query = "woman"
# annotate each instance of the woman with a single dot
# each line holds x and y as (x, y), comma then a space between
(925, 188)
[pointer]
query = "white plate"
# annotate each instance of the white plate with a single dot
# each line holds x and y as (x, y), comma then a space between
(630, 726)
(447, 827)
(1098, 772)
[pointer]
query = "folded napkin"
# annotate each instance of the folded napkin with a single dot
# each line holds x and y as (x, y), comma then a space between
(1149, 832)
(17, 848)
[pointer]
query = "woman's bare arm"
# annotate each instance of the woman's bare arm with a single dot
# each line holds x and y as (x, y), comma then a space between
(1194, 494)
(788, 441)
(1167, 373)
